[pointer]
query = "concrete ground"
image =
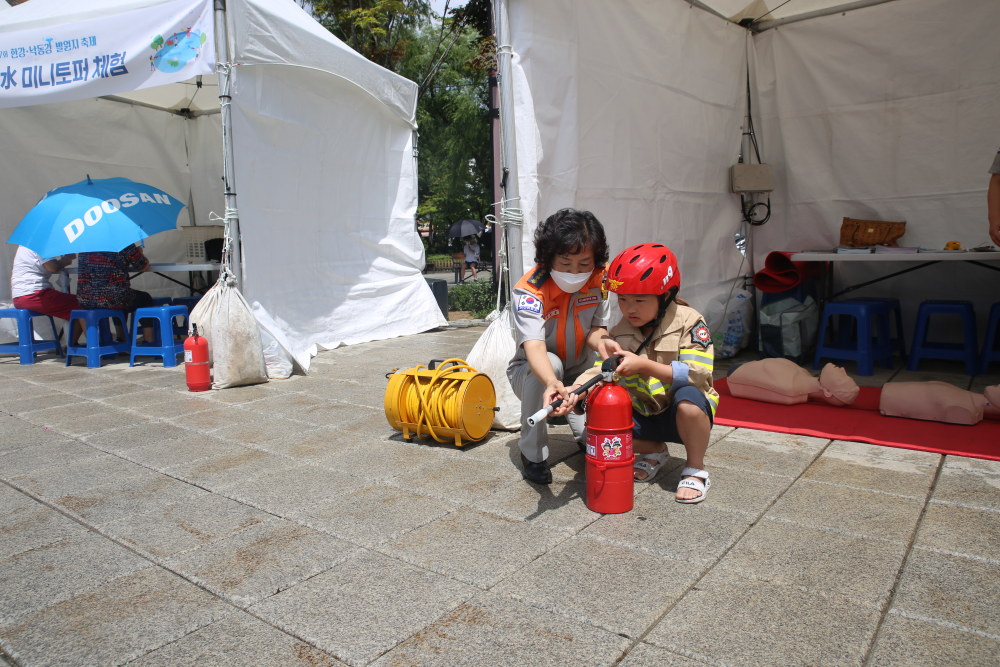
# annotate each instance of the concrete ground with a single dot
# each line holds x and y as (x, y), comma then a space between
(288, 524)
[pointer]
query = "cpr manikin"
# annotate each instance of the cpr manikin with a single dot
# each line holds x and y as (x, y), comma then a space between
(939, 402)
(786, 383)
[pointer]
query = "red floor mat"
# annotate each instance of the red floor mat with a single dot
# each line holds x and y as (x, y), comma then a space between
(861, 422)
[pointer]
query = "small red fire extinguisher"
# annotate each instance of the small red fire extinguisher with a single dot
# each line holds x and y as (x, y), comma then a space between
(610, 484)
(196, 361)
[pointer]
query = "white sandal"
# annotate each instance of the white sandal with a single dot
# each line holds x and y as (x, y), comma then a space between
(641, 463)
(697, 484)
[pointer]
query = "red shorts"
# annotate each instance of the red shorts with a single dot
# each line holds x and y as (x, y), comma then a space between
(49, 302)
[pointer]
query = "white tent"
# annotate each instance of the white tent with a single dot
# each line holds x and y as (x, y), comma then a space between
(875, 109)
(324, 171)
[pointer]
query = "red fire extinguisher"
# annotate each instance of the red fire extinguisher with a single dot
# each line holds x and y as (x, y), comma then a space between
(196, 361)
(610, 485)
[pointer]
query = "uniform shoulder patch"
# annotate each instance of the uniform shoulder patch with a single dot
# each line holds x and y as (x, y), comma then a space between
(538, 277)
(700, 335)
(528, 303)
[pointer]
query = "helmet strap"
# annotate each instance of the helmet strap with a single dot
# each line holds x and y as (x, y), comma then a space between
(665, 301)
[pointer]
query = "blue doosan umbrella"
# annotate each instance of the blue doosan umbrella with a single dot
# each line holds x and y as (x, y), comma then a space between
(106, 214)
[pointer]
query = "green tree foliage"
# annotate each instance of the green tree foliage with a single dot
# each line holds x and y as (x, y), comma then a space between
(448, 57)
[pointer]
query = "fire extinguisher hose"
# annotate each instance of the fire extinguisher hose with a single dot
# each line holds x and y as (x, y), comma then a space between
(436, 403)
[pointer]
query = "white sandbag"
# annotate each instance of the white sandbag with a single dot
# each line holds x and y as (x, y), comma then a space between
(202, 316)
(277, 360)
(490, 355)
(236, 347)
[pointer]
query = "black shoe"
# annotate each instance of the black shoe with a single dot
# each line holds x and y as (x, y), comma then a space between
(581, 445)
(538, 473)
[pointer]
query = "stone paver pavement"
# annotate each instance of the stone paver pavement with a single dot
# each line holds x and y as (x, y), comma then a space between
(287, 524)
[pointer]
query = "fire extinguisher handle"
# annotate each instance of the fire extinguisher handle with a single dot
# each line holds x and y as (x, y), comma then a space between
(547, 410)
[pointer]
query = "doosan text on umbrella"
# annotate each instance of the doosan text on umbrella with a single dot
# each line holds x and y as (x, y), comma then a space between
(75, 228)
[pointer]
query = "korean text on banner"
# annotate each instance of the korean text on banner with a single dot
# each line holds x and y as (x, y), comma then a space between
(139, 49)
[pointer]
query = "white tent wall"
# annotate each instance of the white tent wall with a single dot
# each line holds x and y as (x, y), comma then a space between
(203, 135)
(51, 145)
(886, 113)
(638, 106)
(326, 181)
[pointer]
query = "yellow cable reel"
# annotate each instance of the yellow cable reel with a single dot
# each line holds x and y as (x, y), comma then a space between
(445, 403)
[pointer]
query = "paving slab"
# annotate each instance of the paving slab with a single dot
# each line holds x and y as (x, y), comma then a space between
(963, 530)
(804, 442)
(874, 474)
(309, 445)
(741, 621)
(55, 453)
(950, 590)
(237, 640)
(647, 655)
(47, 574)
(972, 465)
(879, 452)
(138, 435)
(967, 487)
(377, 462)
(877, 515)
(106, 390)
(68, 479)
(32, 525)
(493, 627)
(187, 448)
(29, 404)
(364, 606)
(489, 549)
(237, 395)
(175, 405)
(221, 419)
(16, 434)
(694, 533)
(260, 561)
(114, 623)
(561, 504)
(850, 567)
(230, 467)
(617, 588)
(120, 498)
(774, 458)
(139, 398)
(186, 524)
(83, 419)
(262, 430)
(12, 390)
(498, 447)
(288, 491)
(905, 642)
(456, 479)
(372, 515)
(732, 489)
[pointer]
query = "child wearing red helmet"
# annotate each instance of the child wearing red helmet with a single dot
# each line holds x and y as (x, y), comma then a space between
(667, 365)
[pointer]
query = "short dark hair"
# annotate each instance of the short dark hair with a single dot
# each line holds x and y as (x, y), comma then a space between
(567, 231)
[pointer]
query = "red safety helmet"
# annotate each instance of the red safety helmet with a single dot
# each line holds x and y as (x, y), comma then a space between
(647, 268)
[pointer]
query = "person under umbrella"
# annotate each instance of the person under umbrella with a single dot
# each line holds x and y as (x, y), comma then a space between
(471, 258)
(103, 283)
(31, 290)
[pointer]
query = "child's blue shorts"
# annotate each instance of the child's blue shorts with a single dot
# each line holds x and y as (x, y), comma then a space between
(663, 427)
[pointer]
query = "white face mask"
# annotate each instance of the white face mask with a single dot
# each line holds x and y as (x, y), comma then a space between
(570, 282)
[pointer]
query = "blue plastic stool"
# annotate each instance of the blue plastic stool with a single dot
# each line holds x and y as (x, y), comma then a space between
(867, 351)
(99, 343)
(967, 351)
(27, 346)
(898, 342)
(163, 344)
(991, 347)
(162, 301)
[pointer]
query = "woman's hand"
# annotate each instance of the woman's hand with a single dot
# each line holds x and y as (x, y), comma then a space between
(554, 391)
(608, 347)
(631, 364)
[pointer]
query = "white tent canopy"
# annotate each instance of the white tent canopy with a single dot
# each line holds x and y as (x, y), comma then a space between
(323, 143)
(635, 110)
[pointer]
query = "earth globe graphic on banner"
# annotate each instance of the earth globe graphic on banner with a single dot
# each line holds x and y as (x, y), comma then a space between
(178, 50)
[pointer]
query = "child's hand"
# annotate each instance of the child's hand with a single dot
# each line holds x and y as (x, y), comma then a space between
(608, 347)
(631, 364)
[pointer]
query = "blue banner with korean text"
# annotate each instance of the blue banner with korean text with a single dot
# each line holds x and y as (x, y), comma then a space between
(143, 48)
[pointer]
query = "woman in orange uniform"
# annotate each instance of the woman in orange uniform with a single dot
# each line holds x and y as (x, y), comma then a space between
(561, 315)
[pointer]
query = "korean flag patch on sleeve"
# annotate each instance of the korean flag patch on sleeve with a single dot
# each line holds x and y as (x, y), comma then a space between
(700, 335)
(530, 304)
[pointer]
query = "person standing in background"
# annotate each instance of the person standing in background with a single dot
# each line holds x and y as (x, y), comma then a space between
(471, 257)
(993, 200)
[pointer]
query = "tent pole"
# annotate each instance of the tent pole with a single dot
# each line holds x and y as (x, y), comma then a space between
(837, 9)
(229, 175)
(508, 139)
